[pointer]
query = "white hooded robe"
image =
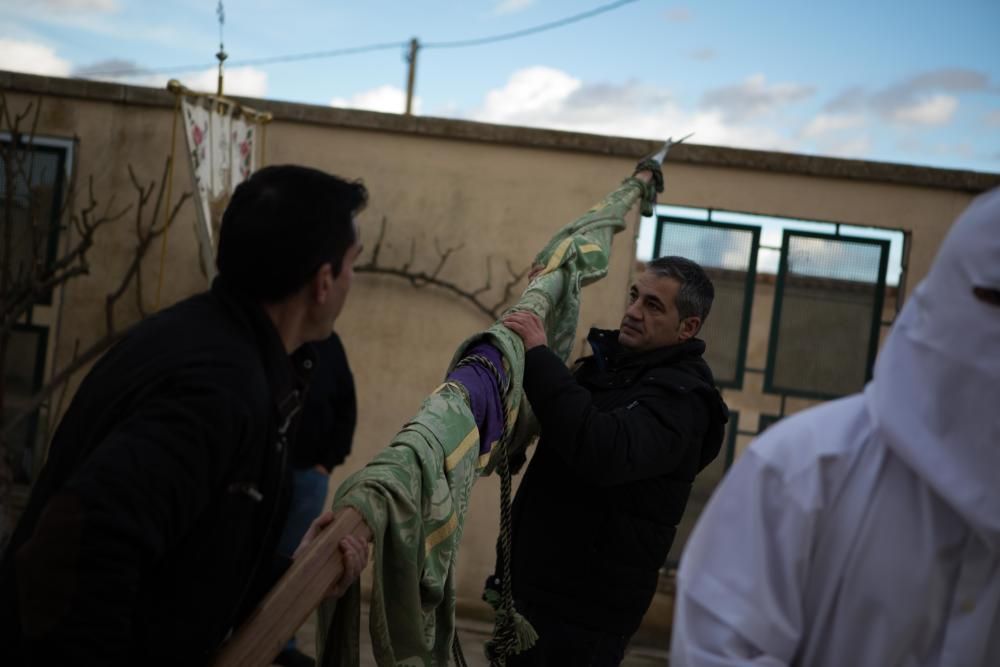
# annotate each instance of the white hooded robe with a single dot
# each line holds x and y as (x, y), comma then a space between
(866, 531)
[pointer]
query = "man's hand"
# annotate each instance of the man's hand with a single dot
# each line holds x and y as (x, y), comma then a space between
(353, 549)
(528, 326)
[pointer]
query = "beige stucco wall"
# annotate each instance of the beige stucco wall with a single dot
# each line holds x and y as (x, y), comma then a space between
(500, 192)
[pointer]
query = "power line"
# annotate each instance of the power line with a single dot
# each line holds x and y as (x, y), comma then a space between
(180, 69)
(457, 44)
(382, 46)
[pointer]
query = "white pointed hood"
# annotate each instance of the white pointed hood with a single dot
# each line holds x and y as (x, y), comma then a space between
(935, 396)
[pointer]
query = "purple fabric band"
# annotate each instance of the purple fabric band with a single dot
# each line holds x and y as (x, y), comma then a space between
(484, 391)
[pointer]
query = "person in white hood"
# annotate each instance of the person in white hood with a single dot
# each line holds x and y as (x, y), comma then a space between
(866, 531)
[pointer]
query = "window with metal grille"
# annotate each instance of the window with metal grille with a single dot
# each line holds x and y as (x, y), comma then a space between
(33, 176)
(728, 253)
(33, 205)
(827, 314)
(23, 372)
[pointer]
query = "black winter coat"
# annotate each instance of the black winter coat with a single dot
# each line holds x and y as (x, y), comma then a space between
(621, 442)
(152, 528)
(330, 413)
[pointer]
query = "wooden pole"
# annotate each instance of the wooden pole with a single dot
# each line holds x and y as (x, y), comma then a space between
(411, 59)
(293, 598)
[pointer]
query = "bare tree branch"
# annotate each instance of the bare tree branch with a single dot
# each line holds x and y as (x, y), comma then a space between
(420, 279)
(74, 263)
(508, 287)
(378, 242)
(18, 298)
(145, 235)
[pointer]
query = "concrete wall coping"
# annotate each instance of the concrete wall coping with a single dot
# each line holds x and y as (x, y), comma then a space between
(464, 130)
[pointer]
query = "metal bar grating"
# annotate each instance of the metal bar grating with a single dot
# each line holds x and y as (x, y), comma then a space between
(827, 309)
(728, 253)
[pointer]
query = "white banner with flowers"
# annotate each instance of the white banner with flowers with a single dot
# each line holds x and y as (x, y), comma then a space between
(221, 143)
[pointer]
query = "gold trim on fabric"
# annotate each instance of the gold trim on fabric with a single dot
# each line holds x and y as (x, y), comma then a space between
(456, 456)
(557, 257)
(485, 458)
(441, 534)
(590, 247)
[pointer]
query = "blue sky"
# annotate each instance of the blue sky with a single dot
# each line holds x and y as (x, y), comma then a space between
(915, 82)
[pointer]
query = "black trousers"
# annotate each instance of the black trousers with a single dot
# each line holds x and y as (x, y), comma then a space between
(561, 643)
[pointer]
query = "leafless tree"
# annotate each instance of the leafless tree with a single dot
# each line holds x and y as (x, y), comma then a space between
(28, 274)
(478, 297)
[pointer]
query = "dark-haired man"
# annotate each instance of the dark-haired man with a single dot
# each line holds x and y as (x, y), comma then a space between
(621, 441)
(151, 531)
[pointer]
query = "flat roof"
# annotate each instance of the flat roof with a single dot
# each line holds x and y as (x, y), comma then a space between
(444, 128)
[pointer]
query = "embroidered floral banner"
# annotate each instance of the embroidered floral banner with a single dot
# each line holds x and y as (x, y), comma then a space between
(221, 146)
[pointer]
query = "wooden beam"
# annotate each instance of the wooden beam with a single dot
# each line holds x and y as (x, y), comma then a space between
(301, 589)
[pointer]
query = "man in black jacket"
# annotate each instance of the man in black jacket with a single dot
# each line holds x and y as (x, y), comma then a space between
(152, 529)
(622, 440)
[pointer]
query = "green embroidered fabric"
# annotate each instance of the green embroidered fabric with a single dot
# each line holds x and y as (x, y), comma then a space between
(415, 493)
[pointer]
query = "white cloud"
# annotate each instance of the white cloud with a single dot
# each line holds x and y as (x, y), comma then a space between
(704, 54)
(100, 17)
(935, 110)
(853, 147)
(827, 123)
(239, 81)
(838, 134)
(530, 93)
(917, 146)
(105, 6)
(512, 6)
(754, 96)
(927, 98)
(32, 57)
(551, 98)
(109, 67)
(385, 98)
(678, 15)
(243, 81)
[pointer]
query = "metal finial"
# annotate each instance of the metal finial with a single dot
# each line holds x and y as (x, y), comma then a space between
(220, 11)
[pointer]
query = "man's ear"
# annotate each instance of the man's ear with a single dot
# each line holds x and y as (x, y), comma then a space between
(689, 328)
(321, 284)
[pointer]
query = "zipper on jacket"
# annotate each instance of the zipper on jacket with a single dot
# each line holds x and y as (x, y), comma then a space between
(248, 489)
(281, 447)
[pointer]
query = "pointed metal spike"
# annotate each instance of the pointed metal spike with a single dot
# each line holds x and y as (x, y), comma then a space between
(661, 154)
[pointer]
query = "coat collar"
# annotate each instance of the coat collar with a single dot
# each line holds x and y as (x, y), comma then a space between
(287, 375)
(610, 355)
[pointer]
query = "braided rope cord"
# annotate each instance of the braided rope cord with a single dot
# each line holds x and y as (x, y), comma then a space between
(456, 652)
(504, 642)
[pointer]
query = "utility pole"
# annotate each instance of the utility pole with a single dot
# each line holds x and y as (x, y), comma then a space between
(411, 60)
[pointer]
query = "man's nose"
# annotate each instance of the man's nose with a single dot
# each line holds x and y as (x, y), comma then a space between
(633, 311)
